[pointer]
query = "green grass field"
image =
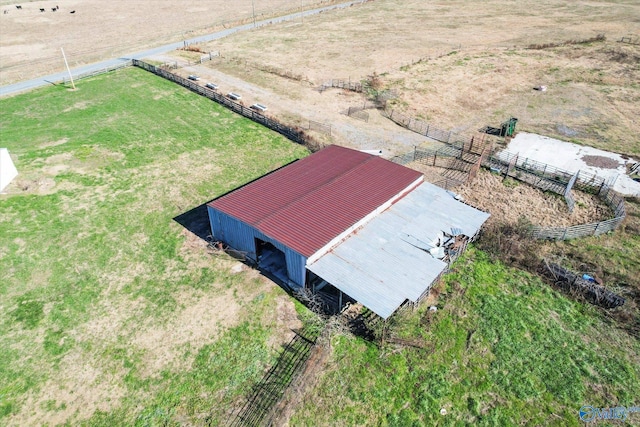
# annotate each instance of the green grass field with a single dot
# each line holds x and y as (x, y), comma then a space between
(503, 349)
(113, 314)
(96, 274)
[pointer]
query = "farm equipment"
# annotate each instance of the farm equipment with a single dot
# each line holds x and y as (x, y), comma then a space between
(507, 128)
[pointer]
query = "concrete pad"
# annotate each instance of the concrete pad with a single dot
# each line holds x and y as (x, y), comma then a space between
(574, 157)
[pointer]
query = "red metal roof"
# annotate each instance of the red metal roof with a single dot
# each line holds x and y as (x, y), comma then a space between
(310, 202)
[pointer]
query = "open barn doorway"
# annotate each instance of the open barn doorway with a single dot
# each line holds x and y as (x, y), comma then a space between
(271, 260)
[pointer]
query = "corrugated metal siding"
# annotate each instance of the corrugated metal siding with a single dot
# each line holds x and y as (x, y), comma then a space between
(241, 237)
(306, 204)
(382, 264)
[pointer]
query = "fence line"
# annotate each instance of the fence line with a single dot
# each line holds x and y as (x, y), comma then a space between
(473, 143)
(342, 84)
(320, 127)
(260, 405)
(209, 56)
(294, 134)
(98, 72)
(540, 175)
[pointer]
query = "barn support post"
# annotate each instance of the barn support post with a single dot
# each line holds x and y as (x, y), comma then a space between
(340, 302)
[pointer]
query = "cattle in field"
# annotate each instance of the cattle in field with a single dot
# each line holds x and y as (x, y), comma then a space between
(41, 10)
(18, 7)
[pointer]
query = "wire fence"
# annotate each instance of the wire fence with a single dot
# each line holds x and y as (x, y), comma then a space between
(94, 73)
(342, 84)
(472, 143)
(320, 127)
(545, 177)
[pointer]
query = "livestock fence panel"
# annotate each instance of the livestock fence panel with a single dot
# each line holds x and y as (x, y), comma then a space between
(576, 231)
(293, 134)
(342, 84)
(209, 56)
(320, 127)
(473, 143)
(540, 175)
(358, 113)
(260, 405)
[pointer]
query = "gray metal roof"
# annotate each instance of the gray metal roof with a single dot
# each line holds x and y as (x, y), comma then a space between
(387, 261)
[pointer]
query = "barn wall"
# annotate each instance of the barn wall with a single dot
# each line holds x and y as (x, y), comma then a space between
(241, 237)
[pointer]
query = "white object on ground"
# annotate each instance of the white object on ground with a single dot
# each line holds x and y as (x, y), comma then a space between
(8, 170)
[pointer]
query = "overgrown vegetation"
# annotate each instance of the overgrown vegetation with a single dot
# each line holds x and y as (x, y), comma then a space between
(503, 349)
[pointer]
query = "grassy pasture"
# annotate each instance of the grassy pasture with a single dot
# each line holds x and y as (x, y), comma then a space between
(113, 314)
(110, 310)
(503, 349)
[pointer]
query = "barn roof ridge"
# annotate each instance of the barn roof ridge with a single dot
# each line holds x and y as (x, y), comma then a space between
(316, 190)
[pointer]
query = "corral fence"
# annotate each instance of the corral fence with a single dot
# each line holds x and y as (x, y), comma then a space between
(614, 200)
(94, 73)
(342, 84)
(463, 158)
(260, 406)
(209, 56)
(320, 127)
(469, 143)
(358, 112)
(635, 40)
(294, 134)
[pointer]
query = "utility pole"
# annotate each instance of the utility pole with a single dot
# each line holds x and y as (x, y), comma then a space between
(253, 9)
(68, 70)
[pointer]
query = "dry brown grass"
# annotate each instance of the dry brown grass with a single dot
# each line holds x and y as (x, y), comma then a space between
(468, 64)
(30, 40)
(509, 200)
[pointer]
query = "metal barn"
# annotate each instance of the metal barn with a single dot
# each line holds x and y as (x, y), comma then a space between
(347, 220)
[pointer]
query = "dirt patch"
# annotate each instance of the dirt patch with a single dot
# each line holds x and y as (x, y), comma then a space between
(601, 162)
(286, 319)
(54, 143)
(79, 388)
(199, 323)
